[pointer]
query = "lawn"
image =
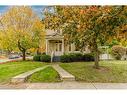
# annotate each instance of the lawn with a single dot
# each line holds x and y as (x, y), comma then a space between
(111, 71)
(46, 75)
(10, 69)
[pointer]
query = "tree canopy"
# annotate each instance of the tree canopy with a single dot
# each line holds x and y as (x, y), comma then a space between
(22, 29)
(88, 25)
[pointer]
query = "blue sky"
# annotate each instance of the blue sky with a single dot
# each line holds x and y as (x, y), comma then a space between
(36, 9)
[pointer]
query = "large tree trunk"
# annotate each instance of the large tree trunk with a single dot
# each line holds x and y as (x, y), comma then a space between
(96, 59)
(24, 55)
(96, 56)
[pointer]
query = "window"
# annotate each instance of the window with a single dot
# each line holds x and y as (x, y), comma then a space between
(58, 47)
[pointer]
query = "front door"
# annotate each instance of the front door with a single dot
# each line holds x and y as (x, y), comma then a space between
(58, 49)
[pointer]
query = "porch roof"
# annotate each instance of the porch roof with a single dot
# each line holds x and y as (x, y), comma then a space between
(54, 35)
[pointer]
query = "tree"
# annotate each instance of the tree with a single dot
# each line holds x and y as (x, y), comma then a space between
(87, 25)
(40, 34)
(24, 26)
(7, 41)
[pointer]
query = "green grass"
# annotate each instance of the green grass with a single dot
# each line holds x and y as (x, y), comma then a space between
(46, 75)
(8, 70)
(111, 71)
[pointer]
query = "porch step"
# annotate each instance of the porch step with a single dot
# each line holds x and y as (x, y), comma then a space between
(23, 77)
(64, 75)
(56, 59)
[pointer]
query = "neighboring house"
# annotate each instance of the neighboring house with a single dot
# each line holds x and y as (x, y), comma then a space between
(57, 46)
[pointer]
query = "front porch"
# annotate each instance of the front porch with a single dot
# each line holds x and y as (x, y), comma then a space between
(55, 47)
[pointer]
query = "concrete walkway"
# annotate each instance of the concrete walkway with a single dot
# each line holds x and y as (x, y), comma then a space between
(64, 75)
(23, 77)
(66, 85)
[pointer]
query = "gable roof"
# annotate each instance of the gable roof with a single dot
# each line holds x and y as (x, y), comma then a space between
(53, 33)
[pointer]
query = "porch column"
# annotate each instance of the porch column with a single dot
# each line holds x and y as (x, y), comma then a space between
(46, 46)
(62, 46)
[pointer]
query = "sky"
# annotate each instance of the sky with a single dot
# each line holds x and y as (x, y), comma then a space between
(36, 9)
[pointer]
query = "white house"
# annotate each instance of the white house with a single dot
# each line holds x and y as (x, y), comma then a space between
(56, 45)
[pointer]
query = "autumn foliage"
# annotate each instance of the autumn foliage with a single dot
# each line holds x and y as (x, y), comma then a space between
(88, 25)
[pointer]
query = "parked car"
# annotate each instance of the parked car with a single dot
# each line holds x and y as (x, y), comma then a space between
(13, 56)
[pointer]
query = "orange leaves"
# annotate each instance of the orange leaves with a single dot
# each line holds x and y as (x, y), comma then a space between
(82, 11)
(89, 9)
(92, 8)
(106, 9)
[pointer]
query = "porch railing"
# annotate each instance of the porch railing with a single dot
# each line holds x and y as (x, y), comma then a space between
(52, 55)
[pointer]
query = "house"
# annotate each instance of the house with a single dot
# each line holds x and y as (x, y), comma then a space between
(57, 46)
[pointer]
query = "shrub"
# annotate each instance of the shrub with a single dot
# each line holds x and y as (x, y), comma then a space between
(36, 57)
(45, 58)
(88, 57)
(77, 57)
(72, 57)
(65, 58)
(118, 51)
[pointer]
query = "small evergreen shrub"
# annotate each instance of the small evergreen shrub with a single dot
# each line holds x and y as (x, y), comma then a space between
(36, 57)
(79, 56)
(45, 58)
(74, 57)
(71, 57)
(88, 57)
(65, 58)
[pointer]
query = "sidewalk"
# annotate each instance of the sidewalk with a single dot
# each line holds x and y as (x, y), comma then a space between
(66, 85)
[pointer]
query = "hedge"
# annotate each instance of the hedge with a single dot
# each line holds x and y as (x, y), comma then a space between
(65, 58)
(42, 58)
(36, 57)
(88, 57)
(45, 58)
(77, 57)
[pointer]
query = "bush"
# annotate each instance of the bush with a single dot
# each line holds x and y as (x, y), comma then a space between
(45, 58)
(65, 58)
(36, 57)
(88, 57)
(79, 57)
(118, 51)
(72, 57)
